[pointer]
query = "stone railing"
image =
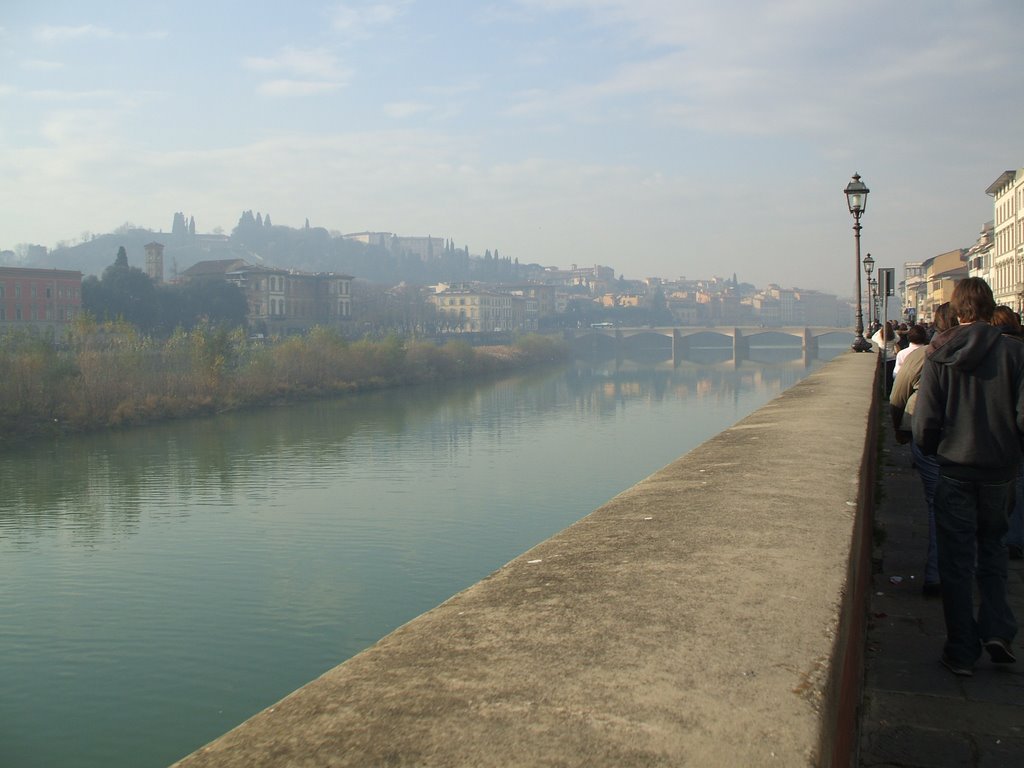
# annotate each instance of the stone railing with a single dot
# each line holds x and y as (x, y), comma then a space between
(713, 614)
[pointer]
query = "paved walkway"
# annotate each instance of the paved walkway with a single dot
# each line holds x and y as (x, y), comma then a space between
(916, 714)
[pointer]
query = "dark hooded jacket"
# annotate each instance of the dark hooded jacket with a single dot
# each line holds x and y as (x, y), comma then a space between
(969, 412)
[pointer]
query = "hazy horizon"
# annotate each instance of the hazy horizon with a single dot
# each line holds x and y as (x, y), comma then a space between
(661, 138)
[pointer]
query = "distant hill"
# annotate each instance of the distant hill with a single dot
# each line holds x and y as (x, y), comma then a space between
(308, 249)
(92, 257)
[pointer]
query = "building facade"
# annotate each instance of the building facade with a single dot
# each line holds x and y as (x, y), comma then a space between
(1007, 273)
(914, 290)
(283, 301)
(942, 273)
(382, 239)
(979, 255)
(424, 248)
(477, 311)
(39, 301)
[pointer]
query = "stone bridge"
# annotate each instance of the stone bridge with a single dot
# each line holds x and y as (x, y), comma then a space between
(742, 338)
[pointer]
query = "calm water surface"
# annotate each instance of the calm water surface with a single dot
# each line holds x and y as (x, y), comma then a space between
(159, 586)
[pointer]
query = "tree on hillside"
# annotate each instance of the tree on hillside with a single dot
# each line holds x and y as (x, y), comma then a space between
(127, 293)
(124, 292)
(201, 302)
(178, 227)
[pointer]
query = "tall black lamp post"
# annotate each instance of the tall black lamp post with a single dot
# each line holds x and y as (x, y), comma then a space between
(869, 267)
(873, 290)
(857, 201)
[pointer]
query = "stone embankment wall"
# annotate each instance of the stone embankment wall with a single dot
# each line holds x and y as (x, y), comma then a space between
(713, 614)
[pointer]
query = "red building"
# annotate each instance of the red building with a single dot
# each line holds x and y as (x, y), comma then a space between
(40, 301)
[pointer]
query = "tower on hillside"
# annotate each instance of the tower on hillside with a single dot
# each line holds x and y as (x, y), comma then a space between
(155, 262)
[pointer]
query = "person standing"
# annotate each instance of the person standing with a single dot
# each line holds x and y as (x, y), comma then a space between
(969, 414)
(901, 405)
(1007, 321)
(916, 337)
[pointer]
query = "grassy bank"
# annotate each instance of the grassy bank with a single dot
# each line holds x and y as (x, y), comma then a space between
(108, 376)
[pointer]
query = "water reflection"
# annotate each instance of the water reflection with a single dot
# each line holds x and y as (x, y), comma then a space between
(106, 481)
(194, 572)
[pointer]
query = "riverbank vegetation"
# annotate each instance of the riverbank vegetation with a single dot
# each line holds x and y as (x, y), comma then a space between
(108, 375)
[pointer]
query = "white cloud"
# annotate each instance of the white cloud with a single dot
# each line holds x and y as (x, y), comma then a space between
(72, 128)
(285, 87)
(304, 72)
(357, 21)
(63, 34)
(315, 62)
(794, 68)
(471, 84)
(40, 65)
(404, 109)
(53, 95)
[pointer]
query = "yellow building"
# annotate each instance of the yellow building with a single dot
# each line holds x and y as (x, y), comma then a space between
(483, 311)
(941, 274)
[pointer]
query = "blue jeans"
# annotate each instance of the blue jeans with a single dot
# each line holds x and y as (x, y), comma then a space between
(928, 469)
(971, 519)
(1016, 533)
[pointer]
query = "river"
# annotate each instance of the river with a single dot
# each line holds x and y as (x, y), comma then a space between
(160, 585)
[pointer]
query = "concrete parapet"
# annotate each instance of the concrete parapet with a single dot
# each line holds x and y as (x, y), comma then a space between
(711, 615)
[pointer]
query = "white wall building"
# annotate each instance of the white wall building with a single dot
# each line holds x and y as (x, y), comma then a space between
(1006, 275)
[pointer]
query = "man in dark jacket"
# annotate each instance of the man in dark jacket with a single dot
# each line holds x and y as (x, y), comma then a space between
(970, 415)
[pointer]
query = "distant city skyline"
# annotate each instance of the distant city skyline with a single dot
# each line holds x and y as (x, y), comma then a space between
(666, 139)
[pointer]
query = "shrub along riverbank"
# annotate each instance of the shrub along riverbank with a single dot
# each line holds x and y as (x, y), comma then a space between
(108, 376)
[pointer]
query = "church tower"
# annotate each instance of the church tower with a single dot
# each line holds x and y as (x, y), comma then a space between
(155, 262)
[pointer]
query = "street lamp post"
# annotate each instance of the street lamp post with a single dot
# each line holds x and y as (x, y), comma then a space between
(873, 290)
(871, 309)
(857, 201)
(869, 267)
(879, 303)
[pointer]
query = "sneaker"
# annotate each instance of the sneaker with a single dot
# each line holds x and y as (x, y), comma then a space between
(955, 667)
(999, 651)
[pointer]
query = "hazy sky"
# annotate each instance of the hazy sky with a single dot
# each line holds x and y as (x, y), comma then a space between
(662, 137)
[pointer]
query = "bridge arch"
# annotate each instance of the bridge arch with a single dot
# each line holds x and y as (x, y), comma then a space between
(740, 338)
